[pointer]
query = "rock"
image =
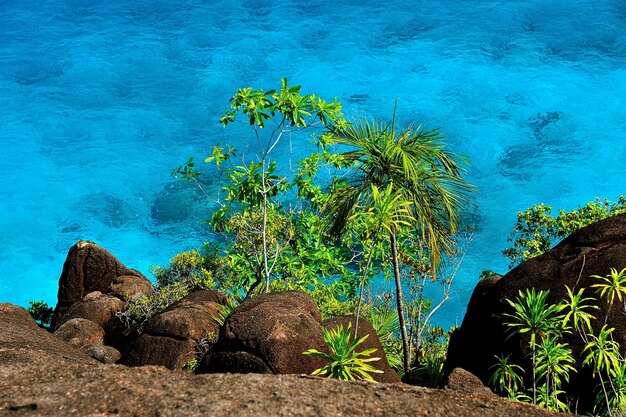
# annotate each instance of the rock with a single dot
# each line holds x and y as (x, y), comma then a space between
(94, 295)
(125, 287)
(16, 314)
(372, 342)
(102, 353)
(461, 380)
(100, 309)
(170, 338)
(22, 340)
(79, 332)
(591, 250)
(269, 333)
(87, 268)
(42, 375)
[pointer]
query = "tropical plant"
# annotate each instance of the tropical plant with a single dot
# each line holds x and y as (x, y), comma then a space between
(535, 316)
(554, 362)
(611, 396)
(421, 176)
(614, 285)
(505, 377)
(143, 306)
(576, 309)
(604, 358)
(344, 361)
(193, 268)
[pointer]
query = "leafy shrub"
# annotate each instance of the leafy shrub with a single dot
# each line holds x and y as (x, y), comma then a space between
(344, 361)
(537, 229)
(142, 307)
(41, 312)
(192, 268)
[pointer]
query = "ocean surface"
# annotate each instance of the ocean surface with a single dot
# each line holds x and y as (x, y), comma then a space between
(100, 101)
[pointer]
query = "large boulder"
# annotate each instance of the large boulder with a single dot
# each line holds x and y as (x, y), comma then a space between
(127, 286)
(98, 308)
(171, 338)
(80, 332)
(87, 268)
(22, 340)
(372, 342)
(592, 250)
(268, 334)
(461, 380)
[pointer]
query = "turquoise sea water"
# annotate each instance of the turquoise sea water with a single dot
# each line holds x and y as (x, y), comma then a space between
(99, 101)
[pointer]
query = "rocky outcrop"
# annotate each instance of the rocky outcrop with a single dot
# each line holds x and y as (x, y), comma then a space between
(42, 375)
(592, 250)
(372, 342)
(87, 268)
(267, 334)
(171, 338)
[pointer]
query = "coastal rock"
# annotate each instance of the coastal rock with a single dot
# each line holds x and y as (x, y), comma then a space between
(100, 309)
(461, 380)
(42, 375)
(125, 287)
(268, 333)
(87, 268)
(79, 332)
(372, 342)
(102, 353)
(170, 338)
(592, 250)
(22, 340)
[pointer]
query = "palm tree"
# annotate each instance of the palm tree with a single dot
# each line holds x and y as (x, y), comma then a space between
(418, 168)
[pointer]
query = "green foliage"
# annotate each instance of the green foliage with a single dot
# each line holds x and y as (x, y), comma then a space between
(537, 229)
(385, 322)
(403, 193)
(552, 360)
(602, 352)
(41, 312)
(191, 365)
(225, 310)
(506, 378)
(577, 309)
(344, 361)
(430, 358)
(142, 307)
(614, 285)
(424, 193)
(192, 268)
(534, 315)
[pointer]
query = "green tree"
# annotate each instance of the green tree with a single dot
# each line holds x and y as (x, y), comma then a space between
(418, 168)
(537, 229)
(251, 212)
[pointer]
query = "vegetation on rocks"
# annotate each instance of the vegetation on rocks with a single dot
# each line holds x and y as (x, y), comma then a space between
(552, 361)
(538, 229)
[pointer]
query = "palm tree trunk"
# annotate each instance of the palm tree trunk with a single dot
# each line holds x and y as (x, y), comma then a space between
(396, 274)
